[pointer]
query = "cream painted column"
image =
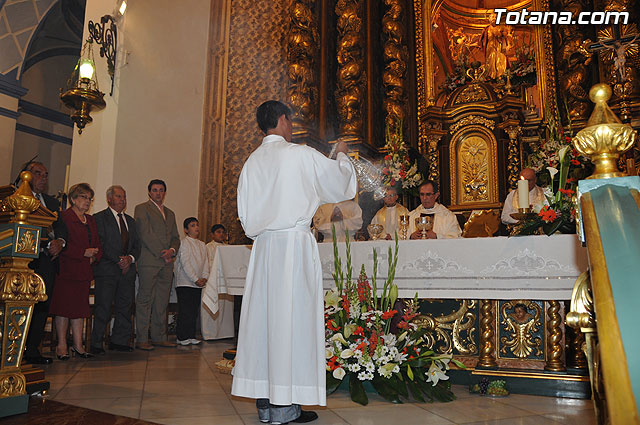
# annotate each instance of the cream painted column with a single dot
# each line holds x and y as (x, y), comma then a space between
(10, 93)
(152, 125)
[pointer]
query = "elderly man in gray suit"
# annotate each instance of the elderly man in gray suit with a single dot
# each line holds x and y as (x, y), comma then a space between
(115, 273)
(156, 225)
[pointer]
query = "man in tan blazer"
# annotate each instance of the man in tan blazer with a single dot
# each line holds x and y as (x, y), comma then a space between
(156, 225)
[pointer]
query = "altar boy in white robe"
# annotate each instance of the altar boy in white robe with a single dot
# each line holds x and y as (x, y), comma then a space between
(218, 325)
(389, 214)
(280, 359)
(445, 224)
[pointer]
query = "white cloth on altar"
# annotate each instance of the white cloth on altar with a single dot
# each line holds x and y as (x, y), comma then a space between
(445, 223)
(351, 220)
(281, 337)
(216, 317)
(537, 200)
(389, 217)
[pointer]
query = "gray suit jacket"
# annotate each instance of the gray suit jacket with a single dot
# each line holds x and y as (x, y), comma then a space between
(155, 233)
(109, 234)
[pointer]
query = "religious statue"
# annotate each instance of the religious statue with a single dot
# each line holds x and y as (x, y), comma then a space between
(460, 44)
(521, 326)
(497, 41)
(619, 56)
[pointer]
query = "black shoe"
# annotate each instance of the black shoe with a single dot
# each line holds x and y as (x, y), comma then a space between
(96, 350)
(38, 359)
(119, 347)
(84, 355)
(306, 416)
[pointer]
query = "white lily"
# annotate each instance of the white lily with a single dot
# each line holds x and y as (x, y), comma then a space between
(339, 373)
(338, 337)
(346, 353)
(387, 370)
(332, 298)
(552, 171)
(328, 353)
(562, 152)
(435, 374)
(349, 329)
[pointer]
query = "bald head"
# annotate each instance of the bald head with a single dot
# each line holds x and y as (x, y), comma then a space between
(530, 175)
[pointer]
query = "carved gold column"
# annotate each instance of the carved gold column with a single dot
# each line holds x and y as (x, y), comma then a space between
(513, 130)
(351, 75)
(487, 335)
(555, 347)
(395, 58)
(20, 289)
(432, 153)
(302, 50)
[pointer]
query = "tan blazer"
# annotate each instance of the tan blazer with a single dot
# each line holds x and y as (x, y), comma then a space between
(156, 233)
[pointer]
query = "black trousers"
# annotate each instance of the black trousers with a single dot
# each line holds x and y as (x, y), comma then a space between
(189, 300)
(47, 270)
(118, 291)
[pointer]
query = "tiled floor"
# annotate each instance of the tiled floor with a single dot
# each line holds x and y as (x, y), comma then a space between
(182, 386)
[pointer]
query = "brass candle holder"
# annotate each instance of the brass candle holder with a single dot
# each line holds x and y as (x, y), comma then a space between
(403, 223)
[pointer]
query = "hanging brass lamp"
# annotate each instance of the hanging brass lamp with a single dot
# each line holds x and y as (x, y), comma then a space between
(83, 95)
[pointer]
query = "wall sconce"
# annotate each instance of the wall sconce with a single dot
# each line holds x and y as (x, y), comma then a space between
(107, 38)
(82, 94)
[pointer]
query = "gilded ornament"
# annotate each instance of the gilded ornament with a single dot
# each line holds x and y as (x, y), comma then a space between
(605, 138)
(17, 318)
(521, 327)
(555, 347)
(474, 167)
(447, 330)
(433, 154)
(472, 119)
(12, 384)
(21, 285)
(487, 335)
(395, 54)
(27, 242)
(302, 46)
(22, 202)
(471, 93)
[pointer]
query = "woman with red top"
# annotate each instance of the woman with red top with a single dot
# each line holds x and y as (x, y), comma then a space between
(70, 298)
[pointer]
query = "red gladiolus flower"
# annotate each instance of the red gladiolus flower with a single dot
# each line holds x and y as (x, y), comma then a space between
(571, 180)
(548, 214)
(402, 325)
(359, 331)
(332, 326)
(388, 314)
(387, 158)
(574, 152)
(575, 162)
(567, 192)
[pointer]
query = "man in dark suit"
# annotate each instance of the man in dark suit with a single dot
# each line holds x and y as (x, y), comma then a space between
(47, 264)
(159, 242)
(115, 274)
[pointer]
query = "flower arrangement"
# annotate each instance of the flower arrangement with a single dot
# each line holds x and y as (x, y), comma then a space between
(560, 214)
(360, 343)
(397, 168)
(522, 70)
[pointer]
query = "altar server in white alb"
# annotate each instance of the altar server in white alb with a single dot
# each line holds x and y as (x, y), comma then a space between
(389, 215)
(537, 199)
(445, 224)
(280, 358)
(345, 216)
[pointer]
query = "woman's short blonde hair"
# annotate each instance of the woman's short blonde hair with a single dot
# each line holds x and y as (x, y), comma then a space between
(80, 189)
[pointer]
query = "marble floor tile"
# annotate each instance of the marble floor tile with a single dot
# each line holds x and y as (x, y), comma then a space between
(243, 405)
(182, 387)
(90, 390)
(182, 406)
(462, 391)
(177, 373)
(204, 420)
(123, 406)
(525, 420)
(405, 414)
(540, 405)
(108, 375)
(474, 409)
(574, 417)
(342, 399)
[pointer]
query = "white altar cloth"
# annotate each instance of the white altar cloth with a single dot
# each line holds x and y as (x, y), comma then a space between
(523, 267)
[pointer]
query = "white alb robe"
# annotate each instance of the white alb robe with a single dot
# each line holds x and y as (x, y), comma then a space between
(216, 324)
(389, 218)
(281, 336)
(445, 223)
(537, 200)
(351, 220)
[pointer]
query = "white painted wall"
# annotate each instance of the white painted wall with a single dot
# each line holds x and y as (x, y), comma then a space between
(152, 126)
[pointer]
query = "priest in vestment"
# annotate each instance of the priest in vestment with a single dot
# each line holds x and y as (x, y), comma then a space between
(537, 199)
(346, 216)
(281, 355)
(218, 325)
(445, 224)
(388, 215)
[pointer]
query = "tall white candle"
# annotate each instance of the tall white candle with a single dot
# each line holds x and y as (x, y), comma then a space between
(66, 180)
(523, 193)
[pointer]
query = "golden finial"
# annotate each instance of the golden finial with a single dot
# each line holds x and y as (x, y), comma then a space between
(22, 201)
(605, 138)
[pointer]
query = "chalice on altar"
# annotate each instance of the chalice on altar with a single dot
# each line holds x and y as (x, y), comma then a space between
(424, 224)
(375, 230)
(403, 223)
